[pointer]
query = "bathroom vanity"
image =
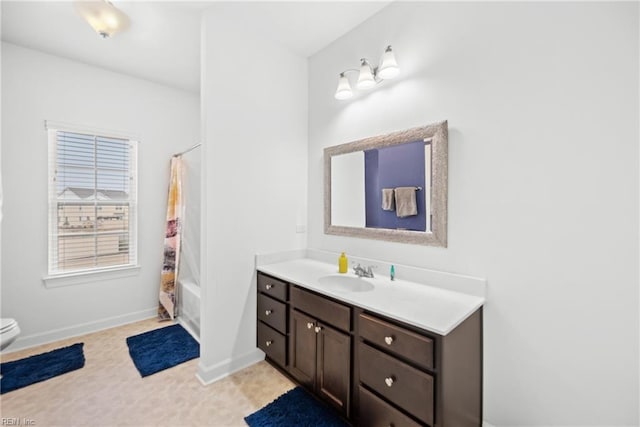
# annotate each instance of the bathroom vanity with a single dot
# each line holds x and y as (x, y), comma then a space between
(382, 353)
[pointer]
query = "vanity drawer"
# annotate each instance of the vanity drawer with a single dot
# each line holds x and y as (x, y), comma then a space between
(397, 340)
(398, 382)
(272, 312)
(321, 308)
(273, 287)
(375, 412)
(273, 343)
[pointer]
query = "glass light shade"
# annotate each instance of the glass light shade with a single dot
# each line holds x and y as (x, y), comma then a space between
(344, 88)
(365, 79)
(103, 17)
(388, 66)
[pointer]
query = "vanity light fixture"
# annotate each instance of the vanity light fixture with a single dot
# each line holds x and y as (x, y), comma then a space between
(368, 76)
(344, 88)
(388, 65)
(104, 17)
(366, 79)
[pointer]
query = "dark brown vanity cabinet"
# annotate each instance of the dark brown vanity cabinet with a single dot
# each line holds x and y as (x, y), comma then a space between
(273, 315)
(408, 377)
(385, 353)
(375, 370)
(320, 354)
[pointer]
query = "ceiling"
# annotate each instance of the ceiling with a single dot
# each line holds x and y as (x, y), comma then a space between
(163, 41)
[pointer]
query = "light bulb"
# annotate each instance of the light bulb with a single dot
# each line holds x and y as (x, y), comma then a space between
(344, 88)
(365, 79)
(388, 66)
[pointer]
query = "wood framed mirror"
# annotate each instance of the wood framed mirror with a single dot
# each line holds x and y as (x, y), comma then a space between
(360, 176)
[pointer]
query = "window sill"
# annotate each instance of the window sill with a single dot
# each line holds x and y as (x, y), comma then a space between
(79, 278)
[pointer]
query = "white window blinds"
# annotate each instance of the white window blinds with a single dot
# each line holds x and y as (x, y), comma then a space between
(92, 202)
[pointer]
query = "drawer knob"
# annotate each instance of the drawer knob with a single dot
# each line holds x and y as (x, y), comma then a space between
(388, 340)
(268, 286)
(318, 329)
(309, 325)
(268, 343)
(389, 381)
(268, 312)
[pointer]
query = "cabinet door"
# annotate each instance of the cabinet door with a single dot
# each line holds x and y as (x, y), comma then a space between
(334, 367)
(302, 348)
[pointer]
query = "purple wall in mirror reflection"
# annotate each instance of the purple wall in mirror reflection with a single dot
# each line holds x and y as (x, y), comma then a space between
(390, 167)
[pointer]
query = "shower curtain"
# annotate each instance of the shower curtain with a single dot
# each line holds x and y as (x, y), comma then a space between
(173, 234)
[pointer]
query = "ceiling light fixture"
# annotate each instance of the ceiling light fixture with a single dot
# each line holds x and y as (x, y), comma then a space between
(368, 76)
(103, 17)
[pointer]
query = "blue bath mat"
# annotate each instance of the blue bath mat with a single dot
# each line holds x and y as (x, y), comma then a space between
(163, 348)
(295, 408)
(41, 367)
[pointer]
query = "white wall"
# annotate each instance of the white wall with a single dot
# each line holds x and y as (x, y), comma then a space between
(254, 96)
(542, 103)
(38, 87)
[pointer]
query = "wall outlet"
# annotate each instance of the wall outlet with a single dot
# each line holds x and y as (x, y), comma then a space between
(301, 228)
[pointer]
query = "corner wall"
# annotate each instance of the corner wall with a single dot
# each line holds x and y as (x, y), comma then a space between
(254, 117)
(542, 104)
(38, 87)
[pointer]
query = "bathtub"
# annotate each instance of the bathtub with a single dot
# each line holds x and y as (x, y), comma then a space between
(189, 306)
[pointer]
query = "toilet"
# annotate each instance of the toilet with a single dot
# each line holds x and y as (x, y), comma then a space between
(9, 331)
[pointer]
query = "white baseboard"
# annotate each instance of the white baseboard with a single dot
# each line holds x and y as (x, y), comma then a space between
(211, 374)
(486, 424)
(33, 340)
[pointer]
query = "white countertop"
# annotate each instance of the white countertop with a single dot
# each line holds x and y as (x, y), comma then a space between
(426, 306)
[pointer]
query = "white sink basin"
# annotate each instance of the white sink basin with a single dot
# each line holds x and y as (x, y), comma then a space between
(346, 283)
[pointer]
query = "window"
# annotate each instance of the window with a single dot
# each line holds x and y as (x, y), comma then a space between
(89, 174)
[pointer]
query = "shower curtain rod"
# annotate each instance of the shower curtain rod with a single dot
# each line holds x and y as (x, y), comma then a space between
(188, 149)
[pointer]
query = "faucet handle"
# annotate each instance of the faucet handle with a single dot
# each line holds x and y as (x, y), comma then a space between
(369, 272)
(359, 270)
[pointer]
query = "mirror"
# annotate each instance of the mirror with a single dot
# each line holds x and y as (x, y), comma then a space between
(390, 187)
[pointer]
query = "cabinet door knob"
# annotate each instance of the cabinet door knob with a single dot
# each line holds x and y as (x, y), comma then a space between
(318, 329)
(388, 340)
(268, 343)
(309, 325)
(267, 287)
(389, 381)
(268, 312)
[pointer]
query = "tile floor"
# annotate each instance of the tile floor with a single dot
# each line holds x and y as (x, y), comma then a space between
(108, 390)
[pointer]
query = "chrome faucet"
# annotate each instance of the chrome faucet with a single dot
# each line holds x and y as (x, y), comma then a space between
(363, 272)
